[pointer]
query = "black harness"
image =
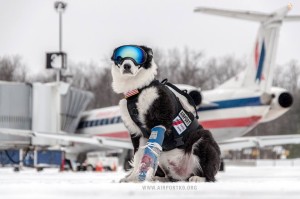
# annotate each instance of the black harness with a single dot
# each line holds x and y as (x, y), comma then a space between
(173, 139)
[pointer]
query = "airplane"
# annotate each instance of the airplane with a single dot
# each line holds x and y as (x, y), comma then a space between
(229, 111)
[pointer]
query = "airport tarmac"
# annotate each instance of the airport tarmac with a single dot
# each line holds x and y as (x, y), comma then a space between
(236, 182)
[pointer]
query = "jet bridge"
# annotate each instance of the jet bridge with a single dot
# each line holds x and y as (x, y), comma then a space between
(34, 107)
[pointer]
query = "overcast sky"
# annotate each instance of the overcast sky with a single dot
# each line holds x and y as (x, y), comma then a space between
(93, 28)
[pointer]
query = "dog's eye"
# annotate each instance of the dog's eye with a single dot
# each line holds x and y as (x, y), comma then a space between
(118, 59)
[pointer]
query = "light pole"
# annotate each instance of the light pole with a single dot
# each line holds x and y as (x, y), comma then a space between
(60, 8)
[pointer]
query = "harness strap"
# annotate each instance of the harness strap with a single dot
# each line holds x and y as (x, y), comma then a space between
(184, 93)
(133, 110)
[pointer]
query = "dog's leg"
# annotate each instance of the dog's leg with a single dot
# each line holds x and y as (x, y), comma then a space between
(208, 153)
(149, 163)
(133, 175)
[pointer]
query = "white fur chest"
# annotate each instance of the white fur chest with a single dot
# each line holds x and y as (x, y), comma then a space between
(145, 100)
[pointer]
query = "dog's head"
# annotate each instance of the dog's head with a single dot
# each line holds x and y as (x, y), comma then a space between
(133, 68)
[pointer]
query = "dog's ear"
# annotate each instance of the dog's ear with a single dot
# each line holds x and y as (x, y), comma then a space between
(149, 56)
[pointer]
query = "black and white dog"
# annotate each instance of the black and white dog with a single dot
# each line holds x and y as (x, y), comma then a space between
(197, 158)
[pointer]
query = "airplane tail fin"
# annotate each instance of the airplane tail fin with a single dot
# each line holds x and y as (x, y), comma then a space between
(260, 69)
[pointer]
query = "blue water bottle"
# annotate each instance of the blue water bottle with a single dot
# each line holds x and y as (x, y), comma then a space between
(152, 151)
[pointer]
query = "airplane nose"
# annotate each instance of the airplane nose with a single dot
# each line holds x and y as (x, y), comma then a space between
(127, 66)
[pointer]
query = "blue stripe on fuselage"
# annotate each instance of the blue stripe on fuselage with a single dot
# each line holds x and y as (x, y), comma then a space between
(252, 101)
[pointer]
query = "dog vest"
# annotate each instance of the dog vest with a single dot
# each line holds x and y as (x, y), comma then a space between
(184, 121)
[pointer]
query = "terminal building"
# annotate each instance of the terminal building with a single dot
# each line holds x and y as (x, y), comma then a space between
(34, 107)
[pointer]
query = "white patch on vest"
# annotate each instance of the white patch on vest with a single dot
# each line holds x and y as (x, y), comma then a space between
(187, 121)
(129, 123)
(145, 100)
(179, 125)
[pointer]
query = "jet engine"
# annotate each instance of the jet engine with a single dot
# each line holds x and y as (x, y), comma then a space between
(280, 102)
(196, 96)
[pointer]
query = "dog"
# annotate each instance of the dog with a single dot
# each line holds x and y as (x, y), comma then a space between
(197, 159)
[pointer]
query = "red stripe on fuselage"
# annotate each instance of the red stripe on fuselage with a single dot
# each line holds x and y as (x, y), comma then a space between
(121, 134)
(227, 123)
(256, 54)
(213, 124)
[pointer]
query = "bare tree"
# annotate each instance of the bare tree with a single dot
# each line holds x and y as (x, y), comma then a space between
(11, 69)
(190, 67)
(92, 77)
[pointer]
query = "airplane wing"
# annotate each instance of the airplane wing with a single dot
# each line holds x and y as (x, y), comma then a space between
(292, 18)
(253, 16)
(259, 141)
(247, 15)
(103, 142)
(110, 143)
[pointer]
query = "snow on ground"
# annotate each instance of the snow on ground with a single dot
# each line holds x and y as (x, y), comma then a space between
(235, 182)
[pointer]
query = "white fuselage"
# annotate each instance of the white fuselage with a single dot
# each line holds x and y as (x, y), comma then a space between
(234, 114)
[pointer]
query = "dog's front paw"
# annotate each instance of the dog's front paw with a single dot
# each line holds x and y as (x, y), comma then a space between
(131, 178)
(123, 180)
(196, 179)
(160, 179)
(136, 179)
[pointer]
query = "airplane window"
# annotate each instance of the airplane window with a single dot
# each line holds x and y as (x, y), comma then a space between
(97, 122)
(112, 120)
(105, 122)
(119, 119)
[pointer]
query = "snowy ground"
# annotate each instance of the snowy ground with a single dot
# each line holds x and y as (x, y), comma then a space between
(236, 182)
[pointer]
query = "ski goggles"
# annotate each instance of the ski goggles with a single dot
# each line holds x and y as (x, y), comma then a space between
(132, 52)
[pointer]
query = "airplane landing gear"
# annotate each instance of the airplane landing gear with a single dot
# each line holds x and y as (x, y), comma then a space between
(16, 169)
(222, 165)
(128, 158)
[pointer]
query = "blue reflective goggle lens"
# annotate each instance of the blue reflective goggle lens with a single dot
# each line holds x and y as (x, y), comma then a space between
(137, 54)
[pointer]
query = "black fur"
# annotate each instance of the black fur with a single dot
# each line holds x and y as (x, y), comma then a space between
(208, 152)
(135, 142)
(162, 110)
(149, 52)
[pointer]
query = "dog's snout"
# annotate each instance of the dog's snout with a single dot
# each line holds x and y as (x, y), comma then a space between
(127, 66)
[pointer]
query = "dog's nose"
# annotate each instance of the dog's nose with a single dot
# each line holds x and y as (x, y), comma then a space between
(127, 66)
